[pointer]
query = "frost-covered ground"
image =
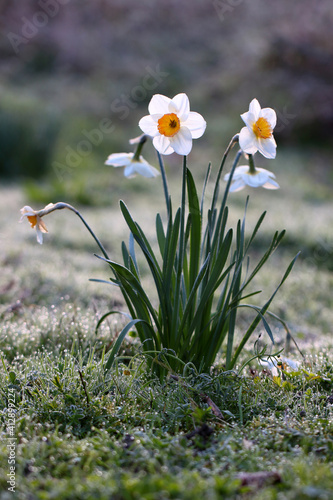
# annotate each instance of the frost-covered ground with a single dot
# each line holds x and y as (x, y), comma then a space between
(56, 274)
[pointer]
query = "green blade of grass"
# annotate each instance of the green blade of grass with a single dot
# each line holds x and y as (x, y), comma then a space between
(118, 342)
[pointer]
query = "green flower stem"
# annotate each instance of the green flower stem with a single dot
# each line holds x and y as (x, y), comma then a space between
(233, 168)
(165, 182)
(136, 156)
(224, 200)
(60, 206)
(92, 233)
(225, 155)
(180, 259)
(252, 165)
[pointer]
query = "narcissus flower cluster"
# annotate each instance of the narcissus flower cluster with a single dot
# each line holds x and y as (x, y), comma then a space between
(172, 127)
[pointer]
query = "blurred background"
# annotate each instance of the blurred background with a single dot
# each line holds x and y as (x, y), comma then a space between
(76, 77)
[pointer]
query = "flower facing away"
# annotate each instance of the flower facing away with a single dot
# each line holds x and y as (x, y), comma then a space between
(260, 177)
(132, 165)
(35, 220)
(258, 133)
(171, 124)
(35, 216)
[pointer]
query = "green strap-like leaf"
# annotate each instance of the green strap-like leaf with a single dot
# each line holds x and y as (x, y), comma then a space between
(125, 274)
(262, 312)
(195, 236)
(274, 244)
(151, 260)
(204, 188)
(190, 300)
(160, 234)
(115, 349)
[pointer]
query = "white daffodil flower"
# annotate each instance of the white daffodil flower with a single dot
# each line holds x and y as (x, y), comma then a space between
(172, 125)
(258, 133)
(260, 177)
(132, 165)
(35, 220)
(280, 363)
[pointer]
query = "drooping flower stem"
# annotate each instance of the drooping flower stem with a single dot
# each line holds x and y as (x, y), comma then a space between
(60, 206)
(91, 232)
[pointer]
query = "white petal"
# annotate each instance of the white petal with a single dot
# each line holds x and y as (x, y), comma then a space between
(267, 172)
(162, 144)
(39, 236)
(248, 118)
(180, 105)
(270, 116)
(182, 141)
(136, 140)
(238, 173)
(148, 125)
(247, 141)
(25, 215)
(129, 171)
(237, 185)
(41, 225)
(241, 170)
(143, 168)
(255, 109)
(255, 180)
(271, 184)
(119, 159)
(159, 104)
(196, 124)
(267, 147)
(26, 211)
